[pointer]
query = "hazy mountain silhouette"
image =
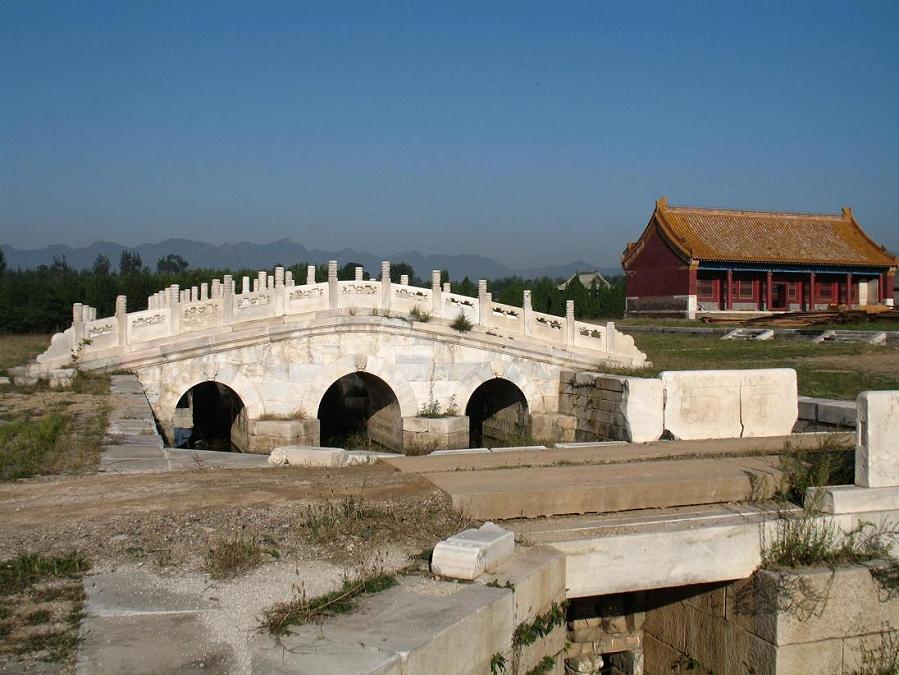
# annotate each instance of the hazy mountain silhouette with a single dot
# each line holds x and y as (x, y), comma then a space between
(286, 252)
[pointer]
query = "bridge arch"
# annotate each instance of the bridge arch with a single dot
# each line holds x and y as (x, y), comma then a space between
(360, 410)
(210, 416)
(178, 381)
(498, 414)
(360, 363)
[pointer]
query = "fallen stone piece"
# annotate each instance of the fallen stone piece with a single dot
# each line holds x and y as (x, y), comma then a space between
(295, 455)
(61, 378)
(357, 457)
(5, 380)
(472, 552)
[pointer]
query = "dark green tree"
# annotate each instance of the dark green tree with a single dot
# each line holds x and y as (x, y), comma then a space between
(130, 263)
(171, 264)
(102, 266)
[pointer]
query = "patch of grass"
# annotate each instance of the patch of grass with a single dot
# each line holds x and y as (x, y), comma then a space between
(36, 617)
(91, 383)
(18, 349)
(228, 557)
(25, 570)
(343, 529)
(698, 352)
(25, 443)
(301, 610)
(55, 441)
(30, 628)
(807, 540)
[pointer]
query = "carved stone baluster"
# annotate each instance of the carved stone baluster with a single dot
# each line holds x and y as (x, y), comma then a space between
(527, 312)
(385, 285)
(436, 295)
(228, 299)
(121, 315)
(333, 297)
(484, 308)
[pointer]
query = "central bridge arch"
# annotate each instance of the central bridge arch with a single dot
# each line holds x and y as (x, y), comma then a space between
(360, 410)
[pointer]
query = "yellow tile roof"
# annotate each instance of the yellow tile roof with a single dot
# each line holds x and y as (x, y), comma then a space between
(722, 235)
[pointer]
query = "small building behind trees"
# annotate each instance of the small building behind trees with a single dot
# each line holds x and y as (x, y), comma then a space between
(695, 261)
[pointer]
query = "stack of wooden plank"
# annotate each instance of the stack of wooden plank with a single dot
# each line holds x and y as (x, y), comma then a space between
(832, 315)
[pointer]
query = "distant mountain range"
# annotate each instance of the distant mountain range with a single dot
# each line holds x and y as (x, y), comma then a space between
(286, 252)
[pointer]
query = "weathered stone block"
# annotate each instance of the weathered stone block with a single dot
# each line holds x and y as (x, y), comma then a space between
(877, 444)
(729, 403)
(472, 552)
(821, 604)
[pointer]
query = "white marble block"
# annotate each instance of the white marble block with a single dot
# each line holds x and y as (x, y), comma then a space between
(730, 403)
(295, 455)
(877, 444)
(472, 552)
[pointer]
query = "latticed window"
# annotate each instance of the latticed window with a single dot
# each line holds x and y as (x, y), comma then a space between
(705, 288)
(745, 290)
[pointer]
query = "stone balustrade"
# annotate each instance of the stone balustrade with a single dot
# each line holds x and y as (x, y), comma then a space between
(174, 311)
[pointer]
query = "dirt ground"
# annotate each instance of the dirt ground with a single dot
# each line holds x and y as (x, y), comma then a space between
(169, 519)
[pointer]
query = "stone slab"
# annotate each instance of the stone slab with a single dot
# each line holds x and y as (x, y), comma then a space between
(877, 445)
(294, 455)
(615, 452)
(532, 492)
(852, 499)
(647, 549)
(730, 403)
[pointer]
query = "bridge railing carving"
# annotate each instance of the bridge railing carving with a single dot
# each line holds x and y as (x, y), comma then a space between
(175, 311)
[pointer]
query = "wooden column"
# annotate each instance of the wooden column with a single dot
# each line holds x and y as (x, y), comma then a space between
(768, 293)
(811, 293)
(849, 290)
(730, 290)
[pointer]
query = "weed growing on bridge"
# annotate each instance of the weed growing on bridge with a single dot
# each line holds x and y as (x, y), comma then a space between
(461, 323)
(300, 610)
(831, 463)
(419, 314)
(807, 540)
(435, 409)
(41, 607)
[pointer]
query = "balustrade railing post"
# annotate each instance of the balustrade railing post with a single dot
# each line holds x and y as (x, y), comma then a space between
(175, 297)
(359, 274)
(280, 295)
(569, 322)
(386, 289)
(310, 274)
(610, 337)
(121, 315)
(333, 297)
(404, 280)
(228, 299)
(77, 324)
(483, 303)
(436, 295)
(527, 313)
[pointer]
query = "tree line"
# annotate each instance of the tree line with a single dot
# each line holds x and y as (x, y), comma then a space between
(40, 300)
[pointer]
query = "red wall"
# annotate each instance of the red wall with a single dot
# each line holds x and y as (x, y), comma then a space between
(658, 271)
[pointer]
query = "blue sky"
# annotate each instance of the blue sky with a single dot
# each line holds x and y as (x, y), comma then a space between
(532, 132)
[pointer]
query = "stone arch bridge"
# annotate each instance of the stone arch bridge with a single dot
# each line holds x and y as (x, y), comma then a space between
(276, 362)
